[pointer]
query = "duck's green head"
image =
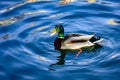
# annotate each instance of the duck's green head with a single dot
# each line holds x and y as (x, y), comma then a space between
(58, 29)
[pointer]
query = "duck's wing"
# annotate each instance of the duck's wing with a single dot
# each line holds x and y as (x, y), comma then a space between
(76, 41)
(77, 38)
(72, 35)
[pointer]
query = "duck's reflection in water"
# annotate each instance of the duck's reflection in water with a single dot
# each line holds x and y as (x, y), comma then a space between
(61, 58)
(60, 61)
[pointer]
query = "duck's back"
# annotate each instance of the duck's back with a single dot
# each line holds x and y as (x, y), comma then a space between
(74, 38)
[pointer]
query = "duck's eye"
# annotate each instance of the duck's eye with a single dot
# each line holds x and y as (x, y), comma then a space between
(57, 29)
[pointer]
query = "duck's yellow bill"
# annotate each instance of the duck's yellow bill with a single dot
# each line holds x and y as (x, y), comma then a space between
(53, 32)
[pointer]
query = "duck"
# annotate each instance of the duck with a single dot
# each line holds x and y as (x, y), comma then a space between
(73, 41)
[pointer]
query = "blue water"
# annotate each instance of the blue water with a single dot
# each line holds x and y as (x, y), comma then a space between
(27, 50)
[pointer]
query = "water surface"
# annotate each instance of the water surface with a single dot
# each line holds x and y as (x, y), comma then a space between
(27, 51)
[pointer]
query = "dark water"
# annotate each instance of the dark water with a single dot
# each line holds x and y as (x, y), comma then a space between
(27, 51)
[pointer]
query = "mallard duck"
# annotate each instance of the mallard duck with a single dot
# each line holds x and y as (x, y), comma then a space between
(72, 41)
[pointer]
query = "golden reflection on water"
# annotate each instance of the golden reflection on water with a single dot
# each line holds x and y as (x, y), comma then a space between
(16, 18)
(19, 17)
(31, 0)
(91, 0)
(113, 22)
(65, 1)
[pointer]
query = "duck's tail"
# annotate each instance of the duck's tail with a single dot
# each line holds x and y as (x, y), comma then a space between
(96, 39)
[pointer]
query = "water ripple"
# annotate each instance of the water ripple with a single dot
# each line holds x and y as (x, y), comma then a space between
(27, 49)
